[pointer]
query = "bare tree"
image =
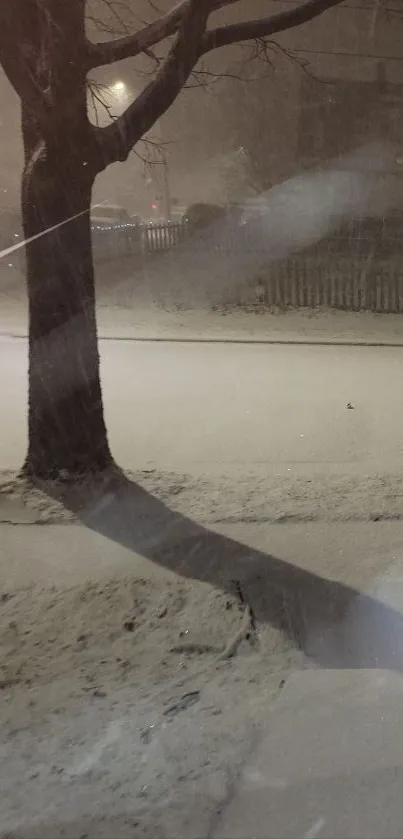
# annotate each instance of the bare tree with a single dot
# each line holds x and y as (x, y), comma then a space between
(47, 56)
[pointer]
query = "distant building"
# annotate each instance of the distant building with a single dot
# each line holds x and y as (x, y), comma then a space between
(359, 122)
(335, 85)
(338, 115)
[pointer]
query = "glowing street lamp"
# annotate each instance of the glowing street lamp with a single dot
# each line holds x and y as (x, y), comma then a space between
(120, 92)
(119, 88)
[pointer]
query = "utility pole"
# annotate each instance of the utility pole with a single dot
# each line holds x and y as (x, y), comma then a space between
(165, 176)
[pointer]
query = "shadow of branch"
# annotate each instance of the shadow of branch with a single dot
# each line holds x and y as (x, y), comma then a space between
(332, 623)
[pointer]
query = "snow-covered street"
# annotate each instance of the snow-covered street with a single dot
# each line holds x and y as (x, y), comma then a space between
(216, 406)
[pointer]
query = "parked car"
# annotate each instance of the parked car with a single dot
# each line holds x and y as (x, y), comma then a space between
(111, 215)
(201, 215)
(114, 232)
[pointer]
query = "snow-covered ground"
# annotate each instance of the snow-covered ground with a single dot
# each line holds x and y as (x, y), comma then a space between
(138, 704)
(167, 653)
(210, 407)
(134, 317)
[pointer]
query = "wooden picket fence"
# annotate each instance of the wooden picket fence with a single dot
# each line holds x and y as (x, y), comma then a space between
(162, 236)
(359, 267)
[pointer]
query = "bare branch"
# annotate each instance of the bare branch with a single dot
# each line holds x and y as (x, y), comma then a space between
(99, 99)
(131, 45)
(301, 63)
(205, 78)
(117, 140)
(251, 29)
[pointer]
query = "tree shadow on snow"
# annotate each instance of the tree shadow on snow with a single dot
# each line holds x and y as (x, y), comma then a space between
(332, 623)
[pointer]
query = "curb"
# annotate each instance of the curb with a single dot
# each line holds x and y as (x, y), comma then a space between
(292, 342)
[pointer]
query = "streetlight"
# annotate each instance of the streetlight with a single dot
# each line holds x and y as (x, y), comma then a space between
(118, 86)
(167, 191)
(122, 94)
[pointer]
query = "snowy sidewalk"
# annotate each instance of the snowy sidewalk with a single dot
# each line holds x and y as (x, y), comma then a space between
(249, 747)
(154, 324)
(329, 762)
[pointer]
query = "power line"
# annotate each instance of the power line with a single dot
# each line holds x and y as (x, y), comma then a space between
(367, 8)
(350, 54)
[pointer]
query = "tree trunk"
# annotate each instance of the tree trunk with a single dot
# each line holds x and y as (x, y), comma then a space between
(66, 431)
